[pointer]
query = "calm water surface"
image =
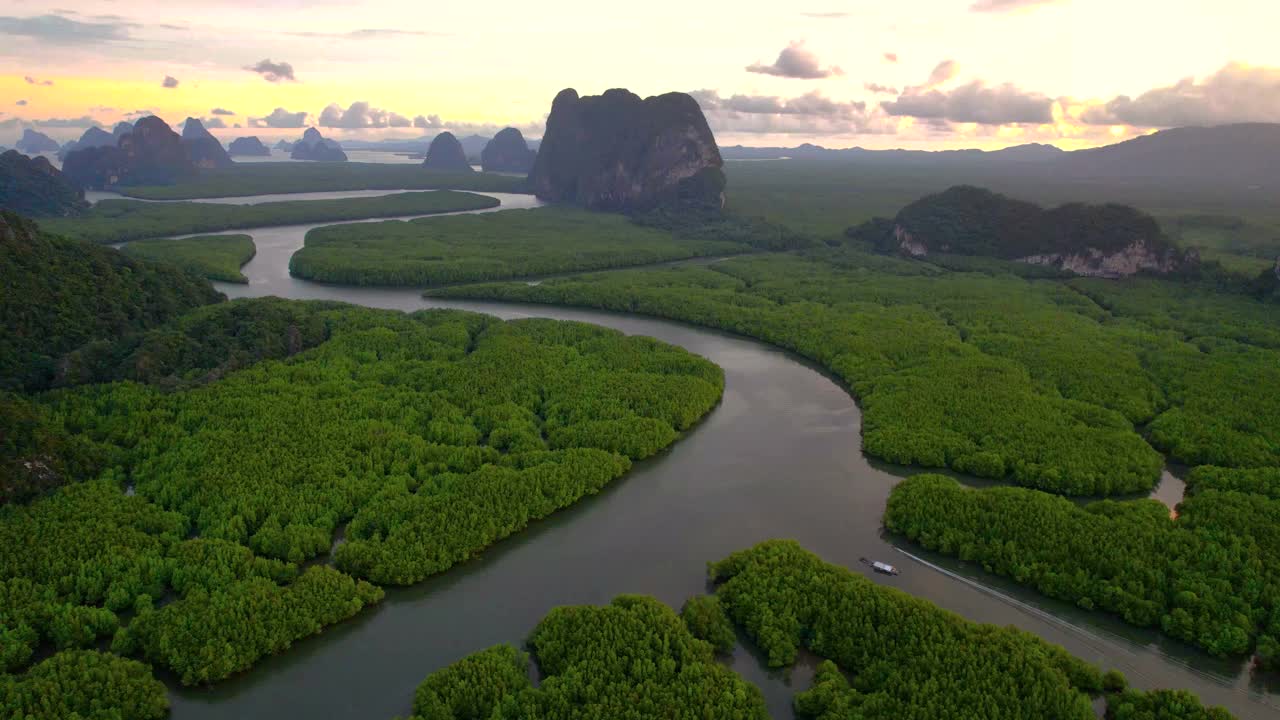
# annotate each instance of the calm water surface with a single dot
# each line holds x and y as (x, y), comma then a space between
(779, 457)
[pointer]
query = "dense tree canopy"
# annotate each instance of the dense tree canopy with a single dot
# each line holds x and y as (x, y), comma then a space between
(238, 438)
(59, 294)
(203, 345)
(84, 685)
(490, 246)
(217, 257)
(632, 659)
(706, 619)
(969, 220)
(1210, 577)
(987, 374)
(1037, 381)
(434, 434)
(909, 659)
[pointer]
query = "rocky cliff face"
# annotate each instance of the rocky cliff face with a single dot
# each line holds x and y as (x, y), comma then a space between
(446, 155)
(507, 152)
(34, 141)
(203, 148)
(618, 152)
(1138, 256)
(249, 146)
(151, 154)
(32, 186)
(313, 146)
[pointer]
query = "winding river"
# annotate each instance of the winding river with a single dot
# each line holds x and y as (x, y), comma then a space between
(779, 457)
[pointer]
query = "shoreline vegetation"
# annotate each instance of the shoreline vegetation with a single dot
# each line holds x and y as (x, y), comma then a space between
(1208, 577)
(251, 431)
(493, 246)
(1064, 385)
(885, 655)
(426, 437)
(216, 257)
(263, 178)
(113, 221)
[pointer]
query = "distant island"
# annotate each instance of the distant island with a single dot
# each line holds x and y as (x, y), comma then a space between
(202, 147)
(446, 155)
(93, 137)
(250, 146)
(34, 142)
(507, 152)
(314, 146)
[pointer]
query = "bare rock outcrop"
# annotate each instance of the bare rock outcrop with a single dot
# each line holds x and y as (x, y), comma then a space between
(618, 152)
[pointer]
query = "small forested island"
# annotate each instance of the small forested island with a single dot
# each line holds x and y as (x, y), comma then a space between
(250, 146)
(446, 155)
(314, 146)
(507, 152)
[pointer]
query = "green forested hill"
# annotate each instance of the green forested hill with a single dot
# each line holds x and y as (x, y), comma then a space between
(57, 294)
(966, 220)
(32, 186)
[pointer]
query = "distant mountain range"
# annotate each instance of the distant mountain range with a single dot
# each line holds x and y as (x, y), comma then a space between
(1244, 154)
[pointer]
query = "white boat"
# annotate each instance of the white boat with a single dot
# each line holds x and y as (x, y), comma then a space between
(884, 568)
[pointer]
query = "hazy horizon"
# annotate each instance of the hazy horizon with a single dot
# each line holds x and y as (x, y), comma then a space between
(937, 74)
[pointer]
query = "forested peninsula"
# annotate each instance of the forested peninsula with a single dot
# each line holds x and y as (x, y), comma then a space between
(113, 221)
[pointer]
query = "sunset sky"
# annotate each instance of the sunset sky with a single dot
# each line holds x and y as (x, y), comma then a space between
(912, 73)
